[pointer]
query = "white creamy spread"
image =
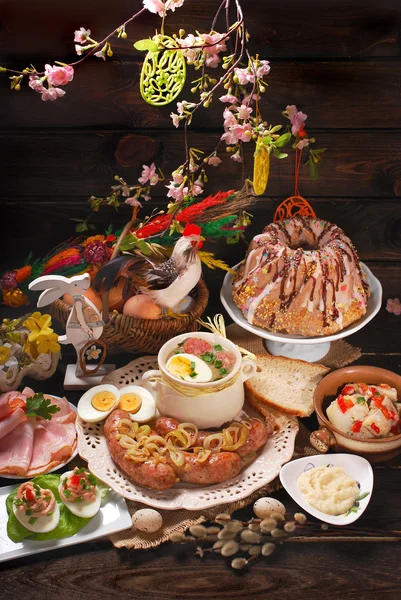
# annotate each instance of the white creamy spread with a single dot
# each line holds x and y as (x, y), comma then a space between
(328, 489)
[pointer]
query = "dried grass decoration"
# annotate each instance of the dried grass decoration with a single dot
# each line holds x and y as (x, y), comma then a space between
(163, 72)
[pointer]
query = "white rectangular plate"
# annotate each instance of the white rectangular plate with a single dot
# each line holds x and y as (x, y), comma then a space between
(111, 518)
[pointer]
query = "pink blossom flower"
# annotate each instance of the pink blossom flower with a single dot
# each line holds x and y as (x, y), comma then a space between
(175, 191)
(244, 112)
(196, 189)
(214, 161)
(212, 60)
(100, 54)
(296, 117)
(229, 119)
(394, 306)
(217, 44)
(133, 201)
(173, 4)
(52, 93)
(236, 157)
(192, 53)
(303, 144)
(177, 178)
(243, 76)
(81, 35)
(59, 75)
(155, 7)
(175, 118)
(237, 133)
(229, 98)
(78, 49)
(262, 69)
(149, 174)
(36, 83)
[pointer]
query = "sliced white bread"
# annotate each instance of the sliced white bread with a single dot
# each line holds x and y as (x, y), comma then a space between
(285, 384)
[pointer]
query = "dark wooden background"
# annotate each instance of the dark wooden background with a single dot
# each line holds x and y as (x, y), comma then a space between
(337, 61)
(340, 62)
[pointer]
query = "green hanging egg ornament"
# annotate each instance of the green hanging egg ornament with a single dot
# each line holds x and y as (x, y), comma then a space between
(163, 72)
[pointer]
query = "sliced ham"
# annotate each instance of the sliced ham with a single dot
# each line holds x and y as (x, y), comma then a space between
(16, 449)
(11, 422)
(65, 414)
(65, 431)
(9, 402)
(49, 449)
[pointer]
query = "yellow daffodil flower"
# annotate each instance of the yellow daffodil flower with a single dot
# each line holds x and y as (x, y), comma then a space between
(4, 354)
(48, 343)
(38, 324)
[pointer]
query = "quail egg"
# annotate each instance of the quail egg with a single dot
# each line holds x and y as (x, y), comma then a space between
(147, 520)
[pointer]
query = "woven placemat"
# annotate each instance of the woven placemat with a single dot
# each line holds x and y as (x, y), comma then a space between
(341, 353)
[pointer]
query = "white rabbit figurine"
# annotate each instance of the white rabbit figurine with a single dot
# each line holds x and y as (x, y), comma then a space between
(84, 322)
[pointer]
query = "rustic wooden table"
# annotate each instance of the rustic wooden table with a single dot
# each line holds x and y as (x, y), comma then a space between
(339, 562)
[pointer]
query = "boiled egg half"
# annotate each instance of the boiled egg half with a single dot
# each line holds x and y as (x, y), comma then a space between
(84, 508)
(98, 402)
(189, 367)
(38, 524)
(138, 402)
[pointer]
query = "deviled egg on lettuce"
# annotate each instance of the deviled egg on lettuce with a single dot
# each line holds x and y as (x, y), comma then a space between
(37, 512)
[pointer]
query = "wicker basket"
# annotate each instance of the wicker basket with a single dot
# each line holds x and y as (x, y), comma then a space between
(128, 334)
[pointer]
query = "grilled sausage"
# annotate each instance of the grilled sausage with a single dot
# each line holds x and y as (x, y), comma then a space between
(217, 468)
(257, 435)
(158, 476)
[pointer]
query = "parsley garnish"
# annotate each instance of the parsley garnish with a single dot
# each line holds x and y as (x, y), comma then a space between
(67, 493)
(29, 512)
(223, 371)
(82, 481)
(208, 357)
(18, 502)
(218, 364)
(360, 400)
(78, 500)
(192, 365)
(79, 471)
(92, 479)
(193, 374)
(39, 406)
(32, 520)
(217, 347)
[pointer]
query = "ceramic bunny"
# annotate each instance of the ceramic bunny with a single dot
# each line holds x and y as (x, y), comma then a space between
(84, 322)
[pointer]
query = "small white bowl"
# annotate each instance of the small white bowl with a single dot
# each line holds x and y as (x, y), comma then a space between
(356, 467)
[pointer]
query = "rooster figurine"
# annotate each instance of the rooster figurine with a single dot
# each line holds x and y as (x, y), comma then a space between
(166, 283)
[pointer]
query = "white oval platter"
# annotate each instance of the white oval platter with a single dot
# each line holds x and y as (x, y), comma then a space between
(92, 447)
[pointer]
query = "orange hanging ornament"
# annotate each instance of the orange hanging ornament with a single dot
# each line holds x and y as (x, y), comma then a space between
(296, 204)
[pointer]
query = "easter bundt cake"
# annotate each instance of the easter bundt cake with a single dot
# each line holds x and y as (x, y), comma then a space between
(301, 276)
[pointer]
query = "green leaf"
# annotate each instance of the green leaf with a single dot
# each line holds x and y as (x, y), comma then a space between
(313, 170)
(143, 247)
(130, 241)
(39, 406)
(109, 230)
(279, 154)
(360, 400)
(267, 139)
(319, 150)
(233, 239)
(148, 45)
(283, 140)
(276, 128)
(81, 227)
(362, 496)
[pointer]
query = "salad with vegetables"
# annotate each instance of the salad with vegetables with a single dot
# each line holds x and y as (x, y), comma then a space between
(366, 411)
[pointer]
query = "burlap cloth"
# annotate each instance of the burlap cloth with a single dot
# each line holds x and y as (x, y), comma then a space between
(340, 354)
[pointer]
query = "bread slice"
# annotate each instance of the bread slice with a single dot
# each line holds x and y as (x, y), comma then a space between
(285, 384)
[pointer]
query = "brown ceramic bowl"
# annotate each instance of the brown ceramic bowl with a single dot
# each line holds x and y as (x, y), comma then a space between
(328, 436)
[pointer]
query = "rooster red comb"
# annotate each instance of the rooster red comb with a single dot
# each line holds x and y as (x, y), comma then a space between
(191, 229)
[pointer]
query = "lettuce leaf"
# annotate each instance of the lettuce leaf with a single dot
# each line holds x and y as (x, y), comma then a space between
(68, 526)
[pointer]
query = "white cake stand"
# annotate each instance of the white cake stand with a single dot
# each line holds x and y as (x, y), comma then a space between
(296, 346)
